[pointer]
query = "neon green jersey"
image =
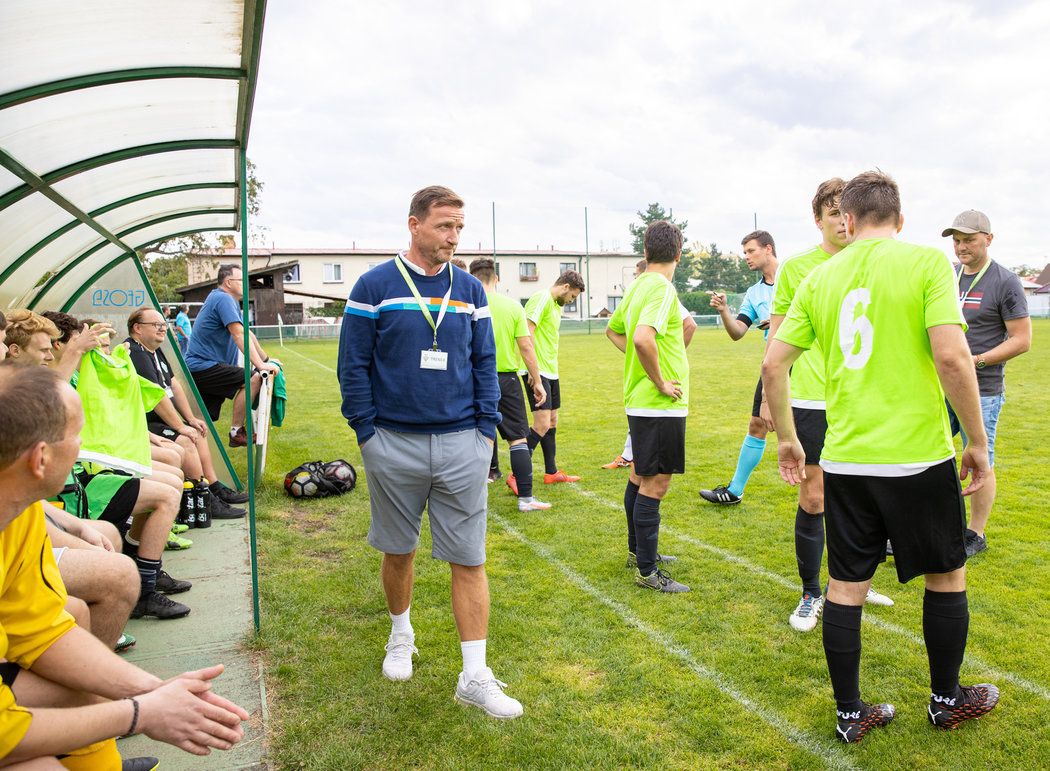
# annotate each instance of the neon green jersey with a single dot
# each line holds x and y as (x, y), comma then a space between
(508, 324)
(870, 307)
(807, 374)
(545, 313)
(652, 301)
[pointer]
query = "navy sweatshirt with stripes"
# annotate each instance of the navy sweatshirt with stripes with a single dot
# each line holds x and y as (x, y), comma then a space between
(382, 336)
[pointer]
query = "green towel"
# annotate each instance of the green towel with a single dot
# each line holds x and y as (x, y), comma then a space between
(115, 400)
(279, 398)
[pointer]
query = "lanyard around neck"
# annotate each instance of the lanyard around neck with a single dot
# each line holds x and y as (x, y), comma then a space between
(958, 283)
(422, 305)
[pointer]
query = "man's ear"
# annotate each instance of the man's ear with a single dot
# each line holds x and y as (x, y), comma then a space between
(37, 459)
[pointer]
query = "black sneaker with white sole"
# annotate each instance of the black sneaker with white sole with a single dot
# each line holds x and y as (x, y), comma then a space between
(852, 726)
(720, 495)
(974, 543)
(219, 509)
(156, 605)
(227, 494)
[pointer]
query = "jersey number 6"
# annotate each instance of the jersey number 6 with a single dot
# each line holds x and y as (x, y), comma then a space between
(852, 326)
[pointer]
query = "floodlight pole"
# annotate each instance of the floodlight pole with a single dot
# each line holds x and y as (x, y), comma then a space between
(248, 427)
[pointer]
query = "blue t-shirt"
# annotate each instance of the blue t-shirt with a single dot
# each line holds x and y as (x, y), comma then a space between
(755, 307)
(182, 321)
(212, 342)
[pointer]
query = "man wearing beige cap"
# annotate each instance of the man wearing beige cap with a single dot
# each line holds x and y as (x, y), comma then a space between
(996, 312)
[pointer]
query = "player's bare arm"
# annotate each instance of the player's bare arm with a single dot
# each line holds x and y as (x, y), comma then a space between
(776, 390)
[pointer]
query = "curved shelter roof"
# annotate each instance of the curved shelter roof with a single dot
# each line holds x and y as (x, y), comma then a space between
(122, 123)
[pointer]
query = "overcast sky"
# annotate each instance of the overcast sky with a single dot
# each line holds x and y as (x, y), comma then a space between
(718, 113)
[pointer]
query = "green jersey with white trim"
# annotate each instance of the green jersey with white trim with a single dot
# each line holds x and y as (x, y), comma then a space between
(508, 324)
(807, 374)
(869, 307)
(652, 301)
(545, 313)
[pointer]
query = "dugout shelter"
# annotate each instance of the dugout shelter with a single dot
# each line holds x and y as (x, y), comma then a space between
(122, 124)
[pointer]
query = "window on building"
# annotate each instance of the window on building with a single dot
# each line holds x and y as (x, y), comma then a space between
(612, 301)
(573, 307)
(333, 273)
(291, 276)
(564, 266)
(527, 271)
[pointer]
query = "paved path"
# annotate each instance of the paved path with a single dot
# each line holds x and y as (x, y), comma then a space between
(214, 633)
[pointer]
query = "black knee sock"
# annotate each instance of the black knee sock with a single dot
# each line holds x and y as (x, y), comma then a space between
(842, 649)
(809, 549)
(646, 531)
(532, 439)
(494, 465)
(629, 496)
(945, 623)
(550, 462)
(148, 570)
(521, 467)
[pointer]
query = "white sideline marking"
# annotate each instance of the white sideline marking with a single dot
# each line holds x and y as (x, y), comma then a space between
(972, 661)
(312, 361)
(829, 753)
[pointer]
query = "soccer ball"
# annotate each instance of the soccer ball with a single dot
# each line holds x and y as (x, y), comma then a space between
(301, 485)
(341, 472)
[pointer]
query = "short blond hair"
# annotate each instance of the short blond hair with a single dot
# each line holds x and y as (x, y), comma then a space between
(22, 324)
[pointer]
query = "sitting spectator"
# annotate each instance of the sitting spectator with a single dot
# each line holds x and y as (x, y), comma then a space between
(173, 418)
(73, 341)
(212, 354)
(150, 505)
(94, 570)
(50, 665)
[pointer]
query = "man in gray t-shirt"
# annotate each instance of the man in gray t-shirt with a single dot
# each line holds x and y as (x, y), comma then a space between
(996, 313)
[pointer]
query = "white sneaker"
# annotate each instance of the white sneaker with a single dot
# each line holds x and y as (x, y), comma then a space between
(399, 651)
(804, 619)
(531, 504)
(484, 691)
(874, 598)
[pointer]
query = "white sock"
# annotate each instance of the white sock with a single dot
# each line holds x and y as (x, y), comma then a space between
(473, 657)
(131, 540)
(400, 624)
(235, 429)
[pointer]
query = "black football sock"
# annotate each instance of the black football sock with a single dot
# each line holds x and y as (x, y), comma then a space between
(809, 549)
(550, 463)
(945, 624)
(521, 467)
(494, 465)
(842, 650)
(629, 496)
(148, 571)
(532, 439)
(646, 531)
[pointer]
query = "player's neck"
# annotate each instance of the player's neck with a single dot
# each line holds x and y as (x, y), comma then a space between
(417, 258)
(830, 248)
(13, 505)
(770, 272)
(665, 269)
(977, 267)
(881, 230)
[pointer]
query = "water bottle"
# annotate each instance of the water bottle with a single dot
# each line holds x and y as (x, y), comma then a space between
(203, 495)
(188, 504)
(191, 504)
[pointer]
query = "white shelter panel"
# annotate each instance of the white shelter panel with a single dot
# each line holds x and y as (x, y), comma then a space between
(24, 224)
(139, 212)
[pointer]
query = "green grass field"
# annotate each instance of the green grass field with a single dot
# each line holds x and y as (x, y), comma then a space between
(611, 675)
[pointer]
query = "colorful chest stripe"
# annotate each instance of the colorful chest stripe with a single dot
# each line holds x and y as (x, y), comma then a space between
(410, 304)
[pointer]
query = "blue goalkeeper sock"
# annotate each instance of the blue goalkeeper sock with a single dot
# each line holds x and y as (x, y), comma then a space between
(750, 456)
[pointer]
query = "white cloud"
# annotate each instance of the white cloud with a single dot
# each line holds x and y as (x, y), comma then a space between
(721, 112)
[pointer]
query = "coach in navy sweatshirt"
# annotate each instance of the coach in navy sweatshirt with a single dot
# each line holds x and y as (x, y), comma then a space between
(417, 370)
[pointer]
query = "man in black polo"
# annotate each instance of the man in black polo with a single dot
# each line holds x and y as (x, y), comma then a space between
(999, 328)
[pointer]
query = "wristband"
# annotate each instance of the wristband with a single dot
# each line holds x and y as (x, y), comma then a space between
(134, 716)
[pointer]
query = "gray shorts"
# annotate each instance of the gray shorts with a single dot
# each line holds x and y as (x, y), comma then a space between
(447, 474)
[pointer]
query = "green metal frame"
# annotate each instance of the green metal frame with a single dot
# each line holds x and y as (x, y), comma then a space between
(79, 82)
(157, 221)
(35, 248)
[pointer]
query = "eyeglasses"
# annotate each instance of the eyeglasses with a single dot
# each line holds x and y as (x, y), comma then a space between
(154, 324)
